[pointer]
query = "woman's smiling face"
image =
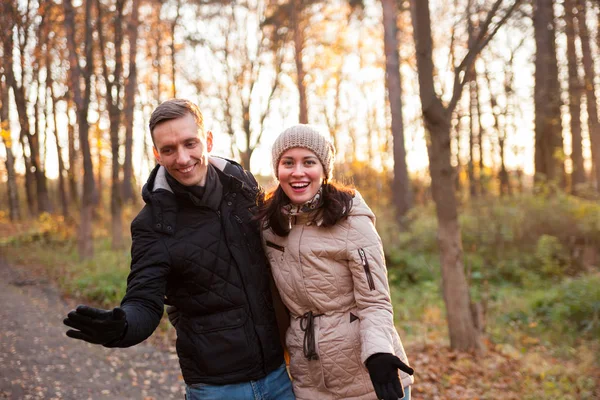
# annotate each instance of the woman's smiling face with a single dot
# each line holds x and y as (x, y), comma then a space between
(300, 174)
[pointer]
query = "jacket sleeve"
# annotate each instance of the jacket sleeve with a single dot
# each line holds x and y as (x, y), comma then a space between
(143, 302)
(371, 288)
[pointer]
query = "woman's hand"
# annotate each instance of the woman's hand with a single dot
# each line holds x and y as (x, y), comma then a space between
(383, 370)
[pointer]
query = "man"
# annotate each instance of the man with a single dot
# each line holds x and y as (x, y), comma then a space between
(196, 247)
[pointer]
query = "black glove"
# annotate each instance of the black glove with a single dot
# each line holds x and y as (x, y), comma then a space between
(96, 326)
(383, 369)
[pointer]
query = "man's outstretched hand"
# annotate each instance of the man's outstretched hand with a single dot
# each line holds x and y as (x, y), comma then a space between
(96, 326)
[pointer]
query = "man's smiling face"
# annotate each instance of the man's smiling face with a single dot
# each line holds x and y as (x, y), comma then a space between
(182, 148)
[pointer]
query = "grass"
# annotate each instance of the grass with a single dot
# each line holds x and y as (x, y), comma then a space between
(100, 280)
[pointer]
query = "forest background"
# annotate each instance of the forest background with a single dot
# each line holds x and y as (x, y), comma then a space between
(470, 126)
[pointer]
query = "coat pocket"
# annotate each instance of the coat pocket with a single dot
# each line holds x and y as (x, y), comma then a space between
(339, 351)
(275, 246)
(221, 342)
(367, 269)
(274, 256)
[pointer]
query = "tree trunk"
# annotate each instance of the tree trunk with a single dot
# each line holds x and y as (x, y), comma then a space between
(130, 92)
(334, 123)
(578, 174)
(8, 22)
(71, 172)
(113, 104)
(480, 134)
(14, 209)
(463, 333)
(82, 101)
(402, 196)
(32, 162)
(5, 132)
(461, 327)
(245, 158)
(62, 186)
(298, 27)
(13, 191)
(173, 52)
(473, 181)
(457, 134)
(62, 189)
(29, 177)
(590, 92)
(471, 164)
(43, 199)
(20, 98)
(501, 133)
(97, 137)
(548, 129)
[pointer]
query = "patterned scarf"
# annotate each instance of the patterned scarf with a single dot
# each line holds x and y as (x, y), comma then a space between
(292, 210)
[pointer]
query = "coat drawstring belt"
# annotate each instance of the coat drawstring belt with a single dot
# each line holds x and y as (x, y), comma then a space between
(307, 324)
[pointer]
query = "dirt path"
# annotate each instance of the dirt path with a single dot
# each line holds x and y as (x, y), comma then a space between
(37, 360)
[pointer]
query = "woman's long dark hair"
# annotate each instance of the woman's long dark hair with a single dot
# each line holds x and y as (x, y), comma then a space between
(337, 201)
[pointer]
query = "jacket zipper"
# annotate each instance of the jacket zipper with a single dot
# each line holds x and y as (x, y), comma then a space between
(239, 221)
(262, 353)
(367, 269)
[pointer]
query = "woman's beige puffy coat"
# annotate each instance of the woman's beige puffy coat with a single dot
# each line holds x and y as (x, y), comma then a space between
(338, 272)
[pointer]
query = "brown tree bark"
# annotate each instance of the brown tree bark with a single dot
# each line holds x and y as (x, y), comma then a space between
(473, 106)
(29, 176)
(590, 91)
(100, 165)
(157, 64)
(129, 103)
(403, 199)
(473, 184)
(481, 178)
(14, 209)
(298, 32)
(333, 120)
(548, 129)
(457, 129)
(575, 90)
(72, 175)
(173, 50)
(6, 28)
(114, 84)
(62, 185)
(509, 112)
(81, 98)
(43, 198)
(23, 134)
(37, 192)
(461, 326)
(437, 119)
(501, 133)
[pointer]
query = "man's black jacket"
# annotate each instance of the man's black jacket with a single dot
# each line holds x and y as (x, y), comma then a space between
(208, 262)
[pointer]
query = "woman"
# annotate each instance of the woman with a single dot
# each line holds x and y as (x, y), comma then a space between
(328, 266)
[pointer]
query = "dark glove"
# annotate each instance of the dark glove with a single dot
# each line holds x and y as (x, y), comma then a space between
(173, 314)
(383, 369)
(96, 326)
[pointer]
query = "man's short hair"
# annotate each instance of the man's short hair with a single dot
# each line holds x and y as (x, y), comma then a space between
(173, 109)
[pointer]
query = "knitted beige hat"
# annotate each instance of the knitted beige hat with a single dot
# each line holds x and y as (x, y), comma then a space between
(308, 137)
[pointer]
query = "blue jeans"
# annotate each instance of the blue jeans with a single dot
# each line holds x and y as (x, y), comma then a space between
(275, 386)
(406, 393)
